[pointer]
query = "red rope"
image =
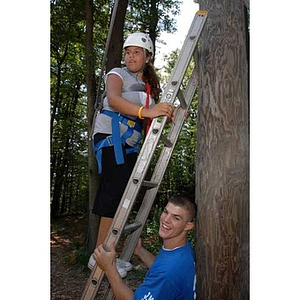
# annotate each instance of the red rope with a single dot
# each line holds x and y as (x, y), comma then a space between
(148, 92)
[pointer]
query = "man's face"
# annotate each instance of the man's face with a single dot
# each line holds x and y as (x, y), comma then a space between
(174, 222)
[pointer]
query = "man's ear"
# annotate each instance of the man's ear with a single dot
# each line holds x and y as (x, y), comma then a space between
(189, 225)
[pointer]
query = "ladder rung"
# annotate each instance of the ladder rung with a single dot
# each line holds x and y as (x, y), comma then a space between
(181, 98)
(132, 227)
(149, 184)
(166, 141)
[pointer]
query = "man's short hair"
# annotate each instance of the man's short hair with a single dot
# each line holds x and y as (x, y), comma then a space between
(187, 202)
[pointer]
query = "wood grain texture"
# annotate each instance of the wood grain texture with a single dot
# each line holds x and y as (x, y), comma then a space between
(222, 167)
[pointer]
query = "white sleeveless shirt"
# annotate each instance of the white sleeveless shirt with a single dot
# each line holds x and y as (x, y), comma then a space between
(133, 90)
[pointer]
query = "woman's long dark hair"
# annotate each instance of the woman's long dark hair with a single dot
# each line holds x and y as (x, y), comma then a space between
(150, 76)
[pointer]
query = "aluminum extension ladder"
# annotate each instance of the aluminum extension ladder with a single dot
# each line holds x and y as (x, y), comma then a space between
(154, 135)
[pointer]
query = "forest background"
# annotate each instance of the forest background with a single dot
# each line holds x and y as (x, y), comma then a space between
(30, 106)
(68, 130)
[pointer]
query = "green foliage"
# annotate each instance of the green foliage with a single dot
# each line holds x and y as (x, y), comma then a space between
(143, 13)
(180, 173)
(69, 161)
(68, 107)
(151, 239)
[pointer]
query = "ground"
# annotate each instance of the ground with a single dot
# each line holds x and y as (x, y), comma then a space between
(69, 272)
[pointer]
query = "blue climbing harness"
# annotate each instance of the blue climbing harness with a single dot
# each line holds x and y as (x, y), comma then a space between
(116, 140)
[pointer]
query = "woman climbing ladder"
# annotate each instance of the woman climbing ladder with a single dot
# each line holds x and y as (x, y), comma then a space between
(131, 96)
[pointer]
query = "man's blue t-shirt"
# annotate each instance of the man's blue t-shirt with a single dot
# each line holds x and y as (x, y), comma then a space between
(171, 276)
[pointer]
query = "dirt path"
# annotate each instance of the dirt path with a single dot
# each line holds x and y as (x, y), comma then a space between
(67, 275)
(68, 263)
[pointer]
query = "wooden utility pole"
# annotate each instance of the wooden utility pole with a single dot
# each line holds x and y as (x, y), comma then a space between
(222, 166)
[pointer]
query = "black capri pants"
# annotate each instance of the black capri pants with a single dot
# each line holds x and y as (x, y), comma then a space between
(113, 180)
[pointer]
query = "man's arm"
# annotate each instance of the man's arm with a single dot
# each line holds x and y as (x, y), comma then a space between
(120, 289)
(107, 262)
(146, 256)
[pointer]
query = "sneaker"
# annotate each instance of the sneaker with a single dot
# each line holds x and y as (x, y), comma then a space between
(91, 262)
(122, 272)
(123, 264)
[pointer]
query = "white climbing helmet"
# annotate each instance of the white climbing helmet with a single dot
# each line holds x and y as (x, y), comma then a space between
(139, 39)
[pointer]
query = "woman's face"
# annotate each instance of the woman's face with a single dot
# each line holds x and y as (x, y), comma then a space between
(135, 58)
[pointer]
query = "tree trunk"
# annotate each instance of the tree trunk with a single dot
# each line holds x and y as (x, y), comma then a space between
(222, 166)
(153, 24)
(114, 55)
(91, 94)
(58, 184)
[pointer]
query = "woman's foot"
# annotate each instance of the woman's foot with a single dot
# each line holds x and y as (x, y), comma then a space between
(122, 265)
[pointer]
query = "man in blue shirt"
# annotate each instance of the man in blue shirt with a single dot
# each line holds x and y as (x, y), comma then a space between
(172, 273)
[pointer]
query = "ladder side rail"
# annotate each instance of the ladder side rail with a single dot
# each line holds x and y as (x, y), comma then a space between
(157, 176)
(133, 186)
(143, 163)
(93, 283)
(160, 169)
(127, 201)
(188, 48)
(188, 95)
(126, 204)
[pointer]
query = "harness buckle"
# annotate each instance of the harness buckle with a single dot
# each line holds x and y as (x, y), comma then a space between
(109, 141)
(130, 123)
